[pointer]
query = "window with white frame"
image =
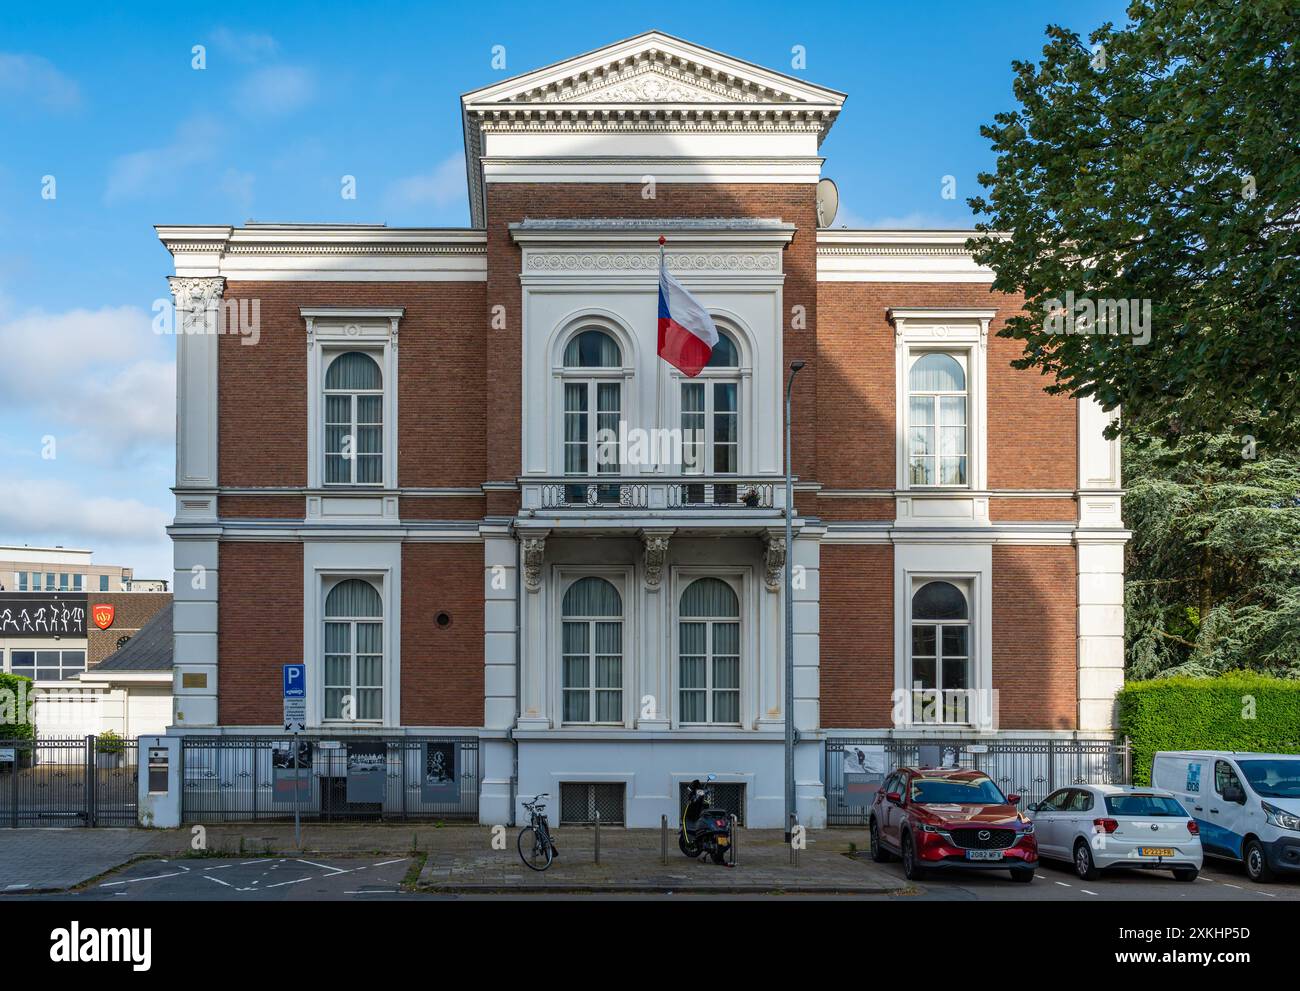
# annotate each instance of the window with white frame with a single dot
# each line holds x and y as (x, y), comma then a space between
(47, 665)
(710, 411)
(353, 419)
(592, 666)
(593, 394)
(937, 417)
(708, 656)
(354, 652)
(940, 654)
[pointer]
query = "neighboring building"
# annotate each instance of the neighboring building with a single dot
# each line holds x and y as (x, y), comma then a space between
(398, 477)
(146, 585)
(58, 569)
(55, 638)
(134, 683)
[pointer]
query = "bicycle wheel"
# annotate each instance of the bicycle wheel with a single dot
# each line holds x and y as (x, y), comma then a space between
(534, 850)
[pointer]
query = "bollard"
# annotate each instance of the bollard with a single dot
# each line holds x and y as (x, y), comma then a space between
(598, 837)
(794, 849)
(734, 823)
(663, 838)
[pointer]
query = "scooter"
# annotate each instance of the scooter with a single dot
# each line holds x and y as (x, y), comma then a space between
(704, 829)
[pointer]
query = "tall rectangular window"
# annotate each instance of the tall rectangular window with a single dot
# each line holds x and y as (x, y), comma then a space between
(937, 420)
(103, 583)
(354, 420)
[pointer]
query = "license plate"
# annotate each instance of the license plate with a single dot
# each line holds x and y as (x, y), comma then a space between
(1156, 851)
(723, 841)
(983, 854)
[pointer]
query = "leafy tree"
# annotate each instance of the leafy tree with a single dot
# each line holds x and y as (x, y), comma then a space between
(1214, 564)
(1159, 162)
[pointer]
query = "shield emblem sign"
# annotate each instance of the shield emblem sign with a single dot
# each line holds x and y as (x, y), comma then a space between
(102, 614)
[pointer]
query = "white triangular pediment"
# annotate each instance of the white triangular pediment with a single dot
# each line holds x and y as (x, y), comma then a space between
(653, 68)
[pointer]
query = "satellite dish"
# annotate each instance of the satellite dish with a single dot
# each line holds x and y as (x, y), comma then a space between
(828, 202)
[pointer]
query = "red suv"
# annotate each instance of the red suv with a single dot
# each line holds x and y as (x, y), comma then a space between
(948, 817)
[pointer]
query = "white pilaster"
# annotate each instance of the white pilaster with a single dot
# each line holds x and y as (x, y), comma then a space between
(1100, 540)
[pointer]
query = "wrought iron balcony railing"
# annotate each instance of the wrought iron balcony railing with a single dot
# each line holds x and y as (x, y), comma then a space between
(676, 493)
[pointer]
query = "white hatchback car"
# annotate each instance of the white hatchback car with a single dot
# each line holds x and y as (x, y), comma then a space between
(1099, 826)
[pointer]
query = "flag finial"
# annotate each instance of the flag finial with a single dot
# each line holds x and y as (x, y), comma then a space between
(662, 240)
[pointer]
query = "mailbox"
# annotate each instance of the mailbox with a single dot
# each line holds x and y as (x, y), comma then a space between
(158, 770)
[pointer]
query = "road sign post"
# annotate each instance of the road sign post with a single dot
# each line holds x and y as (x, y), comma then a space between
(295, 721)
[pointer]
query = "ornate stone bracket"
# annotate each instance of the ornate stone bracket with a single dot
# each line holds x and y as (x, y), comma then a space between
(773, 561)
(656, 552)
(534, 552)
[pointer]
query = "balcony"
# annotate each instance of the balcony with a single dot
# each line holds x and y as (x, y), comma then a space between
(715, 495)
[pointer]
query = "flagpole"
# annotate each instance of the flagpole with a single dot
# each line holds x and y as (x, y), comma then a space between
(659, 395)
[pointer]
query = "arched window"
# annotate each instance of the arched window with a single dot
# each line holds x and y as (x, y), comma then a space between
(593, 405)
(592, 631)
(354, 652)
(354, 420)
(711, 424)
(936, 420)
(709, 652)
(940, 655)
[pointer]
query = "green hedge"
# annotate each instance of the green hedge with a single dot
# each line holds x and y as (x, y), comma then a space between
(1209, 714)
(9, 707)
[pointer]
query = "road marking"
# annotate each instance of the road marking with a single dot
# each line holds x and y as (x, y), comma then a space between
(1087, 892)
(106, 884)
(156, 877)
(14, 887)
(218, 880)
(324, 867)
(220, 867)
(247, 862)
(1266, 894)
(1227, 885)
(281, 884)
(1063, 884)
(387, 862)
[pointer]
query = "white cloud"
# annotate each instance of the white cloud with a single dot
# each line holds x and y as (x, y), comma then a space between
(44, 510)
(444, 186)
(100, 381)
(244, 46)
(276, 90)
(31, 79)
(154, 170)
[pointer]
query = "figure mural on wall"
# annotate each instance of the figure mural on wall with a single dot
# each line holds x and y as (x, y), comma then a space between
(44, 615)
(440, 782)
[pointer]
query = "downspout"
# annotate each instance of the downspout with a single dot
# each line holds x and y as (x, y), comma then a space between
(514, 744)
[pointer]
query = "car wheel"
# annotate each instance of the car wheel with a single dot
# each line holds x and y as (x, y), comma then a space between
(1256, 861)
(1185, 873)
(878, 852)
(1083, 863)
(912, 869)
(1023, 876)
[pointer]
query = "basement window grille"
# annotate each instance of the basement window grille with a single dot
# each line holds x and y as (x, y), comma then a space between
(580, 801)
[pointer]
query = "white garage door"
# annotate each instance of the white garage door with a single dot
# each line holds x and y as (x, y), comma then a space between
(149, 711)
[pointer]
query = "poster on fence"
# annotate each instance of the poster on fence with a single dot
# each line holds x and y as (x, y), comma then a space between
(864, 770)
(288, 785)
(367, 772)
(441, 781)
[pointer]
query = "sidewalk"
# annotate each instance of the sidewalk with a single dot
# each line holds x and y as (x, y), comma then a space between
(461, 858)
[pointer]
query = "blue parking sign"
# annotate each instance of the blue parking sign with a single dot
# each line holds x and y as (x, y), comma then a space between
(295, 681)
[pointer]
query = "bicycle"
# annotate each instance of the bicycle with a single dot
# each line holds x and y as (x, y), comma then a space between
(536, 848)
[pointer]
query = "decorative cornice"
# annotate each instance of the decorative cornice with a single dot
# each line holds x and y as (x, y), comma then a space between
(647, 261)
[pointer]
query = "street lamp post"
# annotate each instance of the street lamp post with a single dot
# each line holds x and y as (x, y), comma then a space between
(789, 610)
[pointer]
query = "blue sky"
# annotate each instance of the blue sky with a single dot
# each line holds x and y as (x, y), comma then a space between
(294, 96)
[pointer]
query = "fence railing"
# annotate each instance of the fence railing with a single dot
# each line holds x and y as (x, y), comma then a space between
(678, 493)
(339, 779)
(68, 781)
(856, 766)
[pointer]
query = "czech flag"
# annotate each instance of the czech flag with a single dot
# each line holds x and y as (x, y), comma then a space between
(686, 331)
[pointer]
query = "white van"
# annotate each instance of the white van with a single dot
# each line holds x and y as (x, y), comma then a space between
(1247, 805)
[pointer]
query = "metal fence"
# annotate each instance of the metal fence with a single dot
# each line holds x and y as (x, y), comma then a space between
(1031, 768)
(581, 802)
(72, 781)
(352, 779)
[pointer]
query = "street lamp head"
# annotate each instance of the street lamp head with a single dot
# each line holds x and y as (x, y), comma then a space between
(796, 365)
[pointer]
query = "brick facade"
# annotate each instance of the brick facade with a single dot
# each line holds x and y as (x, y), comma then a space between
(857, 635)
(131, 610)
(1034, 625)
(259, 620)
(442, 666)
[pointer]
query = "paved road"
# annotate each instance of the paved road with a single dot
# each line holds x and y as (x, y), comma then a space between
(378, 877)
(239, 879)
